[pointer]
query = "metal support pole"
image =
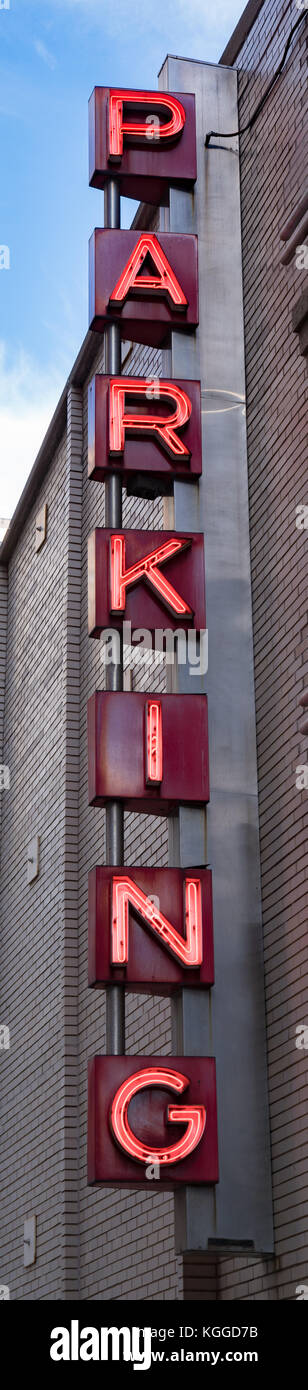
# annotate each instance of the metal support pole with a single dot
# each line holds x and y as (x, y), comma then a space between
(115, 1001)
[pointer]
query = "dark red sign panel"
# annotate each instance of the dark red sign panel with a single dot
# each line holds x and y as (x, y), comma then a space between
(147, 283)
(150, 929)
(154, 579)
(162, 417)
(152, 1119)
(148, 139)
(120, 729)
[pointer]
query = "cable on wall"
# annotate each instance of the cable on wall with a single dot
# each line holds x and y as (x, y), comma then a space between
(231, 134)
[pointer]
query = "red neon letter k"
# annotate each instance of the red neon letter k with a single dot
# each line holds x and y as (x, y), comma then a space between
(148, 570)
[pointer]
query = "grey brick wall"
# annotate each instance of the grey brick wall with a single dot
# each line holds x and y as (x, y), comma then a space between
(71, 646)
(32, 917)
(87, 1241)
(272, 180)
(3, 647)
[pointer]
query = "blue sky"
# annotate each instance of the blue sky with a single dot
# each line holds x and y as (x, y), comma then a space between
(52, 54)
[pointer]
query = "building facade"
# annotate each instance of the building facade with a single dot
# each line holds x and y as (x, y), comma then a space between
(96, 1244)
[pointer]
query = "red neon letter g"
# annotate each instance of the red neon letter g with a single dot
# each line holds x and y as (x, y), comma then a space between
(194, 1116)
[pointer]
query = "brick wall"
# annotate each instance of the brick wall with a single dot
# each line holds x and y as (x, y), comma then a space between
(272, 180)
(32, 918)
(87, 1240)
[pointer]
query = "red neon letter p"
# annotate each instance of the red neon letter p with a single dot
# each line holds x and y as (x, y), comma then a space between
(169, 129)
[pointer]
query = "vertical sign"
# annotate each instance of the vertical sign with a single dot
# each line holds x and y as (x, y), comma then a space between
(147, 752)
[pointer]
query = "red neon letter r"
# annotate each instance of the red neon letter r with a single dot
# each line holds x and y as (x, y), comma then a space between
(164, 428)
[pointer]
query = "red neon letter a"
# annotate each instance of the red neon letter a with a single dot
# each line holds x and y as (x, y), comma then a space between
(164, 282)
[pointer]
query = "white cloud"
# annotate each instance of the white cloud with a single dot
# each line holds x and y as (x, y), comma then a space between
(195, 19)
(44, 53)
(225, 9)
(28, 397)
